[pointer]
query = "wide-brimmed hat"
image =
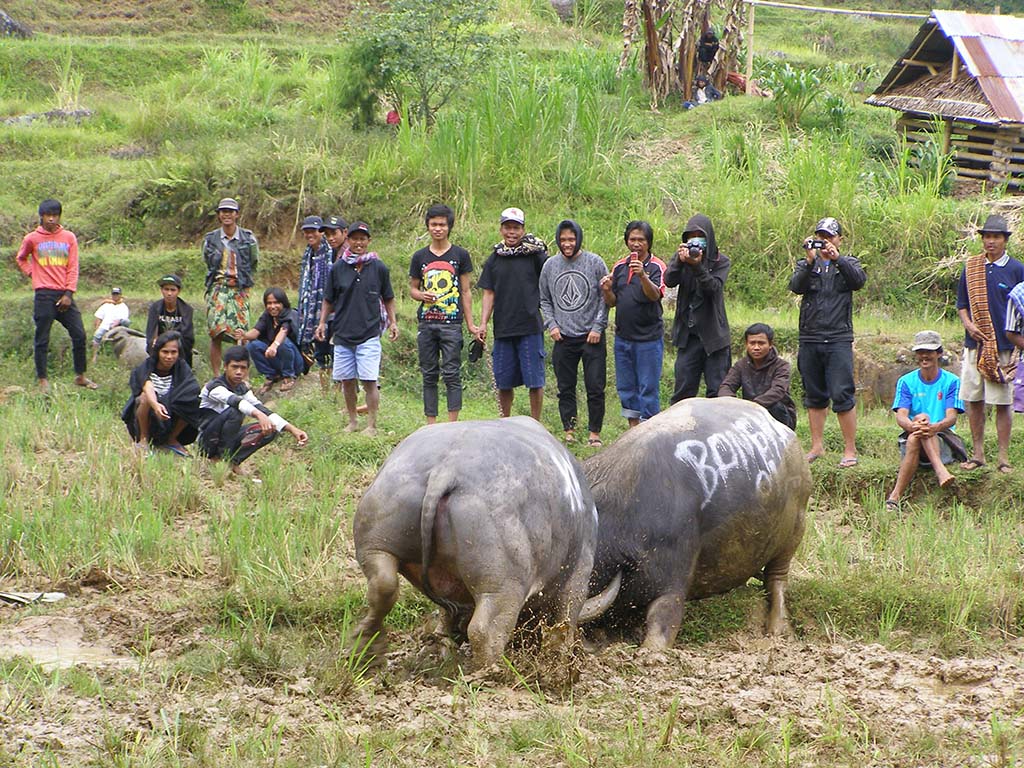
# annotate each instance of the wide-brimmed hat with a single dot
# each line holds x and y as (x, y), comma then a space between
(995, 224)
(927, 341)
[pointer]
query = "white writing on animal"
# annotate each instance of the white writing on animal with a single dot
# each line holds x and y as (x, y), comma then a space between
(753, 446)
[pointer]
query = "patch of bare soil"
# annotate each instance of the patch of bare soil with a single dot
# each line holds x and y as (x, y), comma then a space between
(654, 153)
(727, 686)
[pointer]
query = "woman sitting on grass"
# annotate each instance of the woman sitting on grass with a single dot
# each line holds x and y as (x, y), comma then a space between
(273, 341)
(164, 407)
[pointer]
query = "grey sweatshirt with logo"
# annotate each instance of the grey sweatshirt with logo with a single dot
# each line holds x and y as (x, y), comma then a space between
(570, 294)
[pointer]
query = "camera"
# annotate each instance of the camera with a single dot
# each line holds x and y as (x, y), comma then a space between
(694, 248)
(815, 245)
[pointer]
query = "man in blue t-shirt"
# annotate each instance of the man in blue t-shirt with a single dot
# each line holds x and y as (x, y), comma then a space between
(927, 404)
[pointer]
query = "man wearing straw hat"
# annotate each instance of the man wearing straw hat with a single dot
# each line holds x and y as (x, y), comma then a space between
(986, 372)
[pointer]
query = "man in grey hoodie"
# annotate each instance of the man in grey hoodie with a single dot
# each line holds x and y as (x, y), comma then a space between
(575, 317)
(701, 328)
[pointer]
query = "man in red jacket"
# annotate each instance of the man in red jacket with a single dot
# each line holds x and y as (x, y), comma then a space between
(49, 255)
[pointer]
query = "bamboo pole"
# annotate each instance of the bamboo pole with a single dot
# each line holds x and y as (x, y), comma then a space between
(750, 49)
(843, 11)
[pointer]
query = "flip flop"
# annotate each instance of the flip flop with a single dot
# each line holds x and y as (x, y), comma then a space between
(594, 442)
(972, 464)
(1004, 468)
(812, 457)
(86, 383)
(178, 450)
(847, 462)
(892, 505)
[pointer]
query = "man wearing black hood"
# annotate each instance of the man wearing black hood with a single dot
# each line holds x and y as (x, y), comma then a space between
(575, 317)
(701, 329)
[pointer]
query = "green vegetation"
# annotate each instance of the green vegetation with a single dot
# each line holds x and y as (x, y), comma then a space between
(232, 600)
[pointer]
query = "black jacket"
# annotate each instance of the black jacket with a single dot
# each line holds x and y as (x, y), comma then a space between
(700, 292)
(181, 402)
(154, 327)
(826, 309)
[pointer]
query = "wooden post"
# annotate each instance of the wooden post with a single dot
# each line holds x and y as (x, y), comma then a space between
(955, 73)
(947, 135)
(750, 48)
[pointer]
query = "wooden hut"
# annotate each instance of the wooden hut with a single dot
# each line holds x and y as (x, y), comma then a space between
(961, 85)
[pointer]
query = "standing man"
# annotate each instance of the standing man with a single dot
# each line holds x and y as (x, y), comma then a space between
(231, 254)
(316, 265)
(826, 282)
(439, 280)
(986, 372)
(356, 286)
(701, 329)
(576, 316)
(509, 281)
(49, 255)
(171, 313)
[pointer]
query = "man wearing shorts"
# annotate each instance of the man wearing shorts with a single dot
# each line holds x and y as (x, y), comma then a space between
(356, 285)
(231, 255)
(825, 281)
(511, 291)
(985, 376)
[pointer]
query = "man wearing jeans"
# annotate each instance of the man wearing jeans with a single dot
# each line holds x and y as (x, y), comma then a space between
(49, 255)
(439, 280)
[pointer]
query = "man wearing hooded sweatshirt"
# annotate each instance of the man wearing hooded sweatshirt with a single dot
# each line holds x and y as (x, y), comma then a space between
(701, 329)
(509, 281)
(49, 255)
(575, 317)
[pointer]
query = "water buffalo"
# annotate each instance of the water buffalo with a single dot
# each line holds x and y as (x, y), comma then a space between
(486, 518)
(693, 502)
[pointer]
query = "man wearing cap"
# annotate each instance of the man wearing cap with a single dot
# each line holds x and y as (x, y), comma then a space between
(356, 285)
(825, 281)
(171, 313)
(110, 314)
(231, 254)
(927, 405)
(510, 283)
(49, 255)
(316, 264)
(986, 371)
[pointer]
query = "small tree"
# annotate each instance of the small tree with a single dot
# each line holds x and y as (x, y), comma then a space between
(425, 50)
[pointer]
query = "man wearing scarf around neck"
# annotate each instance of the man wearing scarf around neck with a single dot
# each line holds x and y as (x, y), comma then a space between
(357, 284)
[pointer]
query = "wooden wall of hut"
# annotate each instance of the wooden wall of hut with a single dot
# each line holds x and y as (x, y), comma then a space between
(994, 153)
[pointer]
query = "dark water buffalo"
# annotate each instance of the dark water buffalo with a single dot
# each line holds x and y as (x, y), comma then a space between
(486, 518)
(693, 503)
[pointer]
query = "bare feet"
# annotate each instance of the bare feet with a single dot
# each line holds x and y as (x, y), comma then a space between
(370, 432)
(946, 481)
(351, 427)
(82, 381)
(44, 386)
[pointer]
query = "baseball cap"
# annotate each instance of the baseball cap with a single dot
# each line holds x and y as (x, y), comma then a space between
(359, 226)
(115, 291)
(829, 226)
(334, 222)
(312, 222)
(926, 340)
(995, 224)
(513, 214)
(228, 204)
(169, 280)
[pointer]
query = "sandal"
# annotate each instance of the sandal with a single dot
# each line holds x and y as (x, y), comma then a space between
(1004, 468)
(287, 385)
(594, 442)
(265, 388)
(177, 449)
(847, 462)
(891, 505)
(972, 464)
(81, 381)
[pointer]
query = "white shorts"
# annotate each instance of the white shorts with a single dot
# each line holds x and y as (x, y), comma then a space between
(360, 362)
(974, 387)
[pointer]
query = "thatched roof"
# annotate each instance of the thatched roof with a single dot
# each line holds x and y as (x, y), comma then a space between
(989, 87)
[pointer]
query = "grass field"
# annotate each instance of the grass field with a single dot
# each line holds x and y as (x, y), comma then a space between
(210, 612)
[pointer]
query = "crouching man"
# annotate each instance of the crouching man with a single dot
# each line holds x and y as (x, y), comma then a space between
(927, 405)
(225, 402)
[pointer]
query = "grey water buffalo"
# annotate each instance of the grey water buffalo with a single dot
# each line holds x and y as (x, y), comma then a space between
(486, 518)
(129, 345)
(692, 503)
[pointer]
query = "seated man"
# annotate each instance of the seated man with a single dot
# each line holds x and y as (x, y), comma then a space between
(163, 411)
(225, 402)
(762, 375)
(111, 313)
(927, 404)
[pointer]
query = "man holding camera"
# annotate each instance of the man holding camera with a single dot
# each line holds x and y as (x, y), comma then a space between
(826, 281)
(701, 329)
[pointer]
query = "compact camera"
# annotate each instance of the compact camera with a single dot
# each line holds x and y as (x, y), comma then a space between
(815, 245)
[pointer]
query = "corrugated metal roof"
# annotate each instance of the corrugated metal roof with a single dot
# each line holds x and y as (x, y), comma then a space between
(991, 48)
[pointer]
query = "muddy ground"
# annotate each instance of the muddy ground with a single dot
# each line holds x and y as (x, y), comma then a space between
(816, 692)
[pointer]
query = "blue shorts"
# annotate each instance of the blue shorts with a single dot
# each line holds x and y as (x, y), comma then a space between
(359, 362)
(519, 360)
